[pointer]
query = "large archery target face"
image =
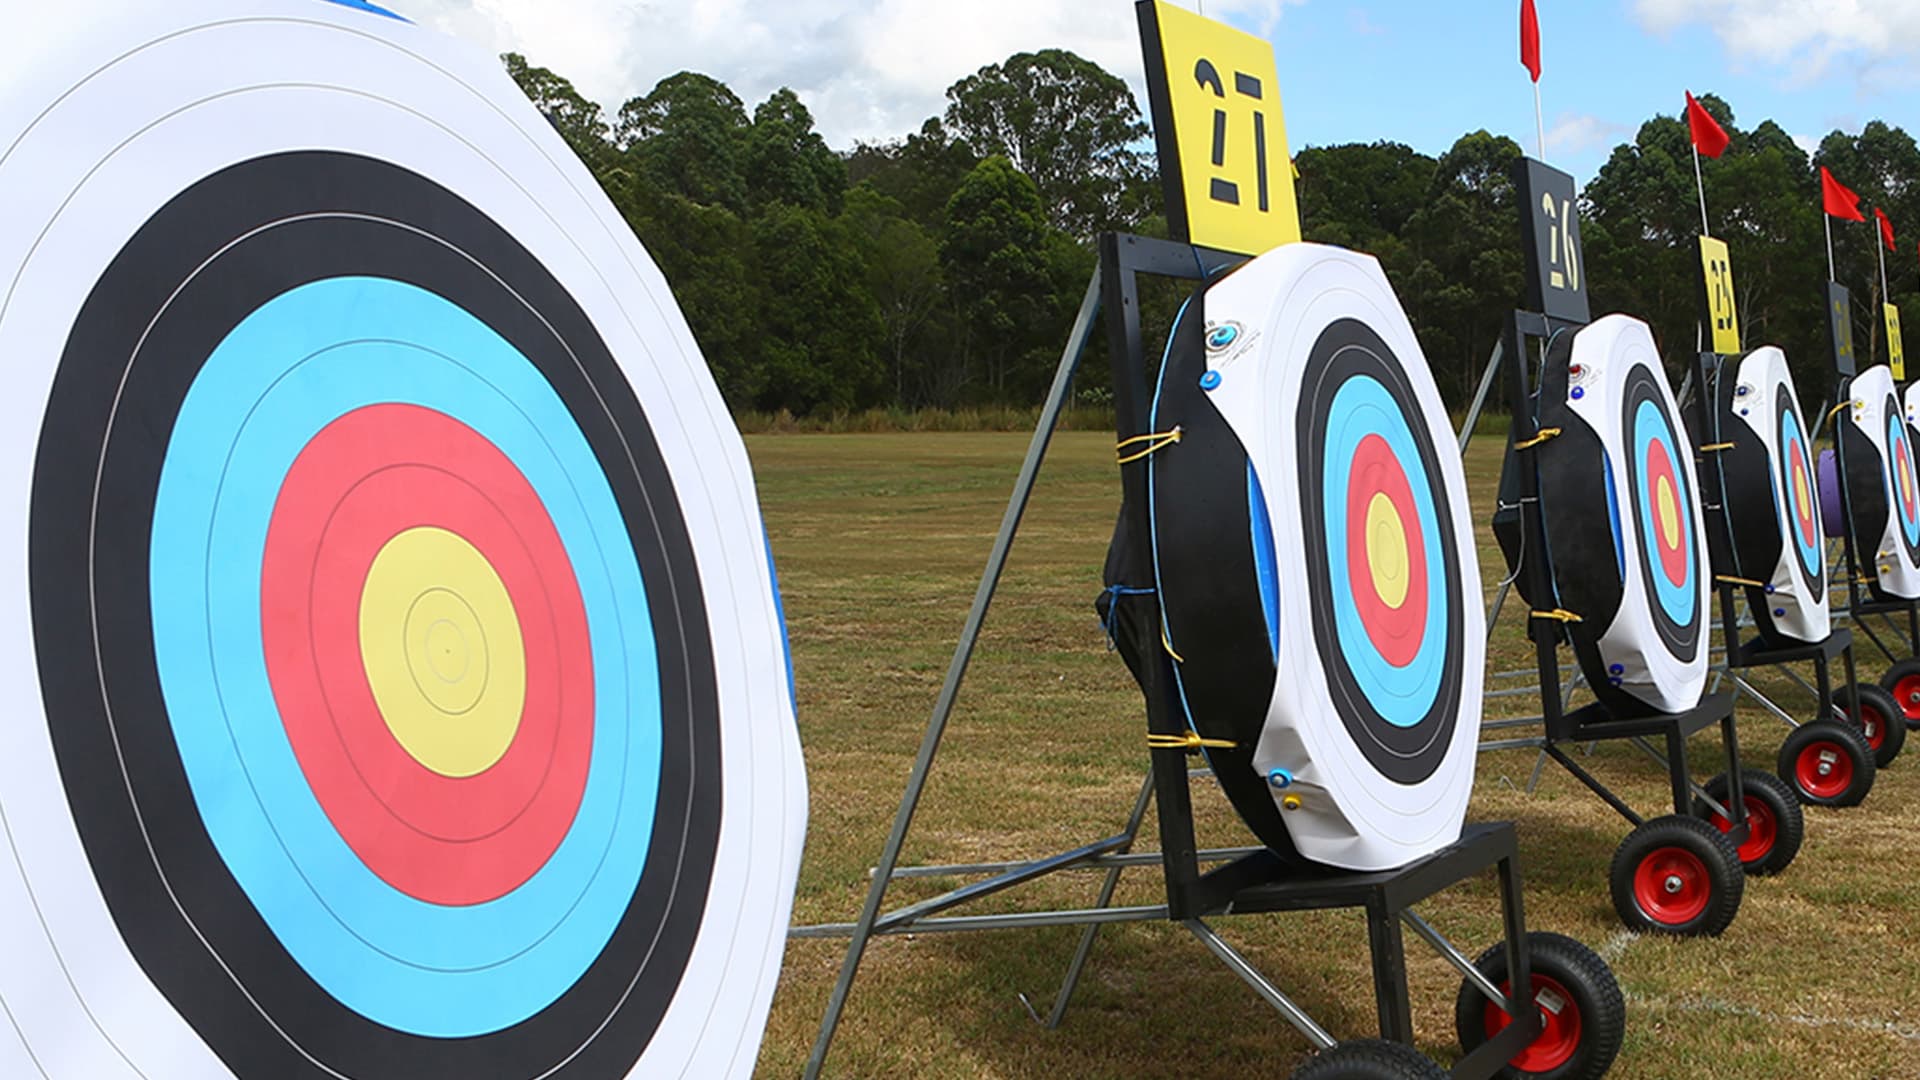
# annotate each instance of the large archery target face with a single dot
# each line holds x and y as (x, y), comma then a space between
(1761, 410)
(1878, 416)
(1377, 701)
(1655, 646)
(404, 690)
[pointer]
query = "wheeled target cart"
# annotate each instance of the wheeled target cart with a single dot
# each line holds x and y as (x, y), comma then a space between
(1765, 537)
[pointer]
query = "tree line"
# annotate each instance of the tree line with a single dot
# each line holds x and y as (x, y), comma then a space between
(943, 269)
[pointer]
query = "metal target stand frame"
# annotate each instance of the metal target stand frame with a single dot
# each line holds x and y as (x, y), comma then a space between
(1200, 884)
(1593, 722)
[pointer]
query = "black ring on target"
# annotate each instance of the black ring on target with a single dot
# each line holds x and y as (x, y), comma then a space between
(1404, 752)
(227, 245)
(1682, 639)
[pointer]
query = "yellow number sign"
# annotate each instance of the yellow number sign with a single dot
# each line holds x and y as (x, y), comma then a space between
(1895, 354)
(1723, 321)
(1214, 92)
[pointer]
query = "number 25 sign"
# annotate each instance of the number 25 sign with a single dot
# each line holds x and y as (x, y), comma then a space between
(1215, 97)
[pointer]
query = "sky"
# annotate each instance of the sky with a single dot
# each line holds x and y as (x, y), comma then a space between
(1421, 72)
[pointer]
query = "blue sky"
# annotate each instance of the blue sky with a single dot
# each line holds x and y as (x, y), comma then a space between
(1421, 72)
(1425, 73)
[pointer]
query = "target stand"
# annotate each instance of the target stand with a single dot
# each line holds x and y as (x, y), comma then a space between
(1764, 532)
(1203, 883)
(1673, 874)
(1865, 502)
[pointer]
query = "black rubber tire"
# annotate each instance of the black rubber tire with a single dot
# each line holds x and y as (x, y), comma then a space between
(1588, 981)
(1882, 723)
(1822, 736)
(1776, 799)
(1714, 857)
(1905, 671)
(1370, 1059)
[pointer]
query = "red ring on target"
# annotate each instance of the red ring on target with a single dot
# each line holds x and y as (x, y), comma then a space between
(1669, 535)
(1378, 489)
(367, 477)
(1802, 495)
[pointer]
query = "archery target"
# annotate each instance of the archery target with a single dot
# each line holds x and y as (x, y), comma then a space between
(401, 688)
(1883, 485)
(1379, 639)
(1620, 499)
(1763, 478)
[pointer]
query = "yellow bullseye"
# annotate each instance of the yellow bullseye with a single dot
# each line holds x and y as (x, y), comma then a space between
(1668, 507)
(1387, 550)
(441, 645)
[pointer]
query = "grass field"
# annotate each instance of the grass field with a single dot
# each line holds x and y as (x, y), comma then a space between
(880, 540)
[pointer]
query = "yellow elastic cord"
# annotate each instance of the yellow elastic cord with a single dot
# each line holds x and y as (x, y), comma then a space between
(1838, 409)
(1157, 440)
(1714, 447)
(1545, 434)
(1558, 615)
(1189, 741)
(1168, 645)
(1729, 579)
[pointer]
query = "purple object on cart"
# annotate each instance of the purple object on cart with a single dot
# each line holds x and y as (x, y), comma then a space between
(1830, 522)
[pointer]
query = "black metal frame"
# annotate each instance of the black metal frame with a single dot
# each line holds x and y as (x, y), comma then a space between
(1595, 722)
(1242, 880)
(1755, 653)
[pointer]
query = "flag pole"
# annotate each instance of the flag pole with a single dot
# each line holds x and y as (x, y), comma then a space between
(1828, 220)
(1882, 250)
(1539, 124)
(1700, 185)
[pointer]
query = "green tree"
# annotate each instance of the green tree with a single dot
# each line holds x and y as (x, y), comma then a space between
(707, 255)
(994, 254)
(578, 120)
(1063, 121)
(689, 135)
(903, 276)
(787, 161)
(818, 327)
(921, 172)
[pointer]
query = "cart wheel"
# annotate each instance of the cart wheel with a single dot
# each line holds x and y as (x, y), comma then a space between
(1775, 825)
(1370, 1059)
(1677, 875)
(1585, 1014)
(1827, 763)
(1880, 721)
(1902, 680)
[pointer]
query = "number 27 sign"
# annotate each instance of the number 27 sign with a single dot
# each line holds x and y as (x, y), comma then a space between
(1215, 97)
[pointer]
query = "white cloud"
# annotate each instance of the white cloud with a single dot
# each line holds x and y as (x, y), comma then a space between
(1807, 143)
(1578, 133)
(1806, 37)
(868, 71)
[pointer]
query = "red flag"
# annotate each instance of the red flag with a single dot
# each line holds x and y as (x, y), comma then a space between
(1840, 201)
(1708, 136)
(1886, 230)
(1530, 39)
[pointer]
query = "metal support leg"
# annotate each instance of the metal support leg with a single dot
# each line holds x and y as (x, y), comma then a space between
(1107, 888)
(1677, 770)
(1390, 974)
(956, 671)
(1296, 1016)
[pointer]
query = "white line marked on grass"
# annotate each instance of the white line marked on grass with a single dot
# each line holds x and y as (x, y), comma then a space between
(1616, 946)
(1909, 1032)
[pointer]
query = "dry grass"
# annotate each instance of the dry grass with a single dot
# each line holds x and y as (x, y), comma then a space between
(880, 540)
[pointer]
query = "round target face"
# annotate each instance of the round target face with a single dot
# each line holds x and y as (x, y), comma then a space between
(1903, 486)
(411, 693)
(1799, 502)
(1385, 580)
(1620, 501)
(1665, 508)
(1380, 640)
(1883, 490)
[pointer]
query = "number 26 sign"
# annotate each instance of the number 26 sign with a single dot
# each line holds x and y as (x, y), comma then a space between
(1214, 92)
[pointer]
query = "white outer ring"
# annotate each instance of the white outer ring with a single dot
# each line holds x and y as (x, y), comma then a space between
(1350, 815)
(1897, 572)
(1762, 374)
(125, 105)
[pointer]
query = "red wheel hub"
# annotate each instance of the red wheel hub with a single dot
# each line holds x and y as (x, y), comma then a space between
(1823, 769)
(1671, 886)
(1906, 693)
(1762, 830)
(1559, 1035)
